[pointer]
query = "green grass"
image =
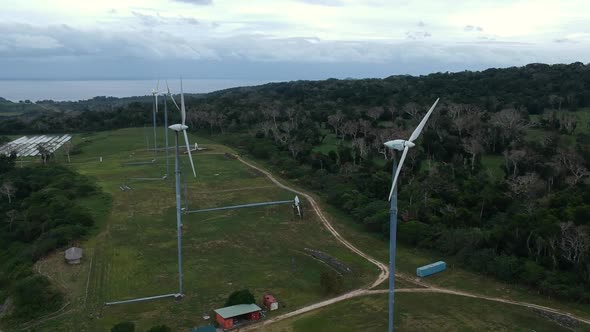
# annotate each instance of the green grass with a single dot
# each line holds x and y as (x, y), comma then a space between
(535, 134)
(385, 124)
(134, 252)
(583, 123)
(495, 165)
(330, 143)
(419, 312)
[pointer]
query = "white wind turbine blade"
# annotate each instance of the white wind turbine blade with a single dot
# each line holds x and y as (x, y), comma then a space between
(399, 168)
(156, 95)
(182, 108)
(418, 129)
(188, 150)
(183, 116)
(171, 97)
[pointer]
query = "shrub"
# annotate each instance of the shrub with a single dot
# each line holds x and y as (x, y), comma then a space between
(124, 327)
(331, 282)
(34, 296)
(240, 297)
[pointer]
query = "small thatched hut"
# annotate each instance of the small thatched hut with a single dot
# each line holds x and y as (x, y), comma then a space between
(73, 255)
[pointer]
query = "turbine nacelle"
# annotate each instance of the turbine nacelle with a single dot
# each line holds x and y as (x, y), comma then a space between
(155, 91)
(399, 144)
(178, 127)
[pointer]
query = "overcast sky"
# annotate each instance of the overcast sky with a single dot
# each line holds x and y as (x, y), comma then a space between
(290, 39)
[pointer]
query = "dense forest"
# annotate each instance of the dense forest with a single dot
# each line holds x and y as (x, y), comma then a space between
(499, 179)
(41, 211)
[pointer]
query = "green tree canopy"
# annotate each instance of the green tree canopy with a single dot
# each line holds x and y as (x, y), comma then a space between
(240, 297)
(160, 328)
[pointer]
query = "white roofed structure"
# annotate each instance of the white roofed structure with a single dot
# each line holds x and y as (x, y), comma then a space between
(27, 146)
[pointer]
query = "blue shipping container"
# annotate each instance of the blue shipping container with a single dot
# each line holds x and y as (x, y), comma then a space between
(430, 269)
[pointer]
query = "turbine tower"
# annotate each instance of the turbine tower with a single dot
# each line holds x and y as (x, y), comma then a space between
(177, 128)
(400, 145)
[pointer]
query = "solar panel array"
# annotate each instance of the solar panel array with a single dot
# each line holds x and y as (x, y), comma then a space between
(27, 146)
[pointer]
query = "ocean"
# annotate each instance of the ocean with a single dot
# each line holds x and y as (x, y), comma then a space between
(74, 90)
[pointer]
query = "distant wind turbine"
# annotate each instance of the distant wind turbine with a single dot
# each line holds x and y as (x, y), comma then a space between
(155, 93)
(400, 145)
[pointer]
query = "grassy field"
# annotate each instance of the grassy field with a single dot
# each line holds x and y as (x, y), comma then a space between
(418, 312)
(330, 142)
(134, 252)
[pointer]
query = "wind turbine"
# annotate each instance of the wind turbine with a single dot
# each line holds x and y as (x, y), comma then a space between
(155, 93)
(297, 205)
(400, 145)
(177, 128)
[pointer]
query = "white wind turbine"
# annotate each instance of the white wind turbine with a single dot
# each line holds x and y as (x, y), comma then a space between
(177, 128)
(155, 93)
(400, 145)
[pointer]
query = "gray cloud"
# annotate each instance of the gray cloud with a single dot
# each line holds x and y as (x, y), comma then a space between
(24, 47)
(190, 20)
(22, 40)
(563, 40)
(33, 42)
(197, 2)
(147, 20)
(155, 20)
